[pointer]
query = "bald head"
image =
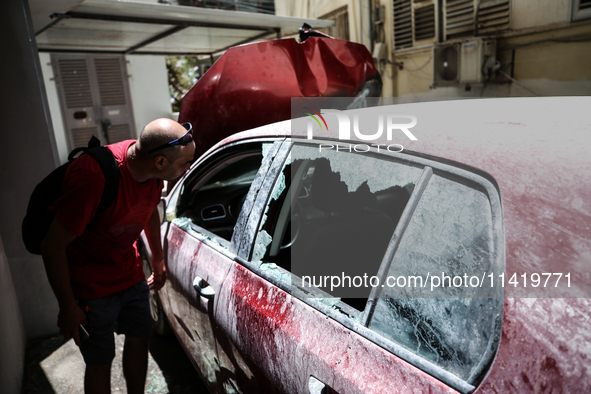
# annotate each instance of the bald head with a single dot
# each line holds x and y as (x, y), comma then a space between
(157, 133)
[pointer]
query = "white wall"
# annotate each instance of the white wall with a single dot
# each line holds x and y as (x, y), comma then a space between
(148, 84)
(57, 119)
(528, 13)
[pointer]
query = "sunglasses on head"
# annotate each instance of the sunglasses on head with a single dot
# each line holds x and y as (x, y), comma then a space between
(182, 141)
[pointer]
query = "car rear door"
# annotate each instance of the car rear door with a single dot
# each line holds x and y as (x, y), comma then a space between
(304, 340)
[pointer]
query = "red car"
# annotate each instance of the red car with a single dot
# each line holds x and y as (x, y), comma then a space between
(495, 192)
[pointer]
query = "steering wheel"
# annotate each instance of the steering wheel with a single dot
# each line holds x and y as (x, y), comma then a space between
(296, 224)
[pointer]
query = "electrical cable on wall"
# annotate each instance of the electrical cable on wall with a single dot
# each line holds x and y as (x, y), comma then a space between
(518, 83)
(420, 67)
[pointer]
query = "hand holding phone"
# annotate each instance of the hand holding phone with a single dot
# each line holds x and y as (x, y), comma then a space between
(82, 333)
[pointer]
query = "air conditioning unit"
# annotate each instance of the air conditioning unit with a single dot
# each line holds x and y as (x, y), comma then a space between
(464, 61)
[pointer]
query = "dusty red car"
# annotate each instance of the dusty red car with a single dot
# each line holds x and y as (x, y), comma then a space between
(494, 192)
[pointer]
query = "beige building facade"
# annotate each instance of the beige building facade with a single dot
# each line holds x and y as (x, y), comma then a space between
(466, 48)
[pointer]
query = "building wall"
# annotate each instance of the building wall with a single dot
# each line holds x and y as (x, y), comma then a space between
(551, 57)
(535, 13)
(545, 64)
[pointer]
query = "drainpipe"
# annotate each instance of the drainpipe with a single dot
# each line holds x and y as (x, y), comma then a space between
(368, 21)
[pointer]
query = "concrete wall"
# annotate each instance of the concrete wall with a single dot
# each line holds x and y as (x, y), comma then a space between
(27, 151)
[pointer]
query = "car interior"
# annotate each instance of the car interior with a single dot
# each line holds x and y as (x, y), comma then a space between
(213, 197)
(317, 224)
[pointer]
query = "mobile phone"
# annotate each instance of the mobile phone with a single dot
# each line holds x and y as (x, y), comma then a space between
(82, 333)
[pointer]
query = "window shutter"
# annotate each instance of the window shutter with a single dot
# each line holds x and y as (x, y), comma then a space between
(493, 15)
(75, 83)
(112, 87)
(110, 81)
(119, 133)
(94, 98)
(424, 21)
(340, 30)
(459, 18)
(414, 22)
(581, 9)
(402, 24)
(81, 135)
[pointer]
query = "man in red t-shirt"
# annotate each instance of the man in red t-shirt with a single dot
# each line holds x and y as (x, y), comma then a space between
(95, 271)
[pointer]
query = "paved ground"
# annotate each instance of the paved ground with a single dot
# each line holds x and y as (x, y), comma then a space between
(53, 366)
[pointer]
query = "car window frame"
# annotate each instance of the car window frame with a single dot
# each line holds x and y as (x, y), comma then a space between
(249, 227)
(431, 166)
(213, 240)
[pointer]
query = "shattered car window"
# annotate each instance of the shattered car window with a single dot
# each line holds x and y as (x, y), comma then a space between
(212, 198)
(450, 235)
(332, 212)
(327, 227)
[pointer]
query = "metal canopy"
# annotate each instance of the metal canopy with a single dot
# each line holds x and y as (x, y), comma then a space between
(133, 27)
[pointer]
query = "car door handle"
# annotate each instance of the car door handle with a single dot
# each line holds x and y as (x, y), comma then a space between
(315, 386)
(203, 288)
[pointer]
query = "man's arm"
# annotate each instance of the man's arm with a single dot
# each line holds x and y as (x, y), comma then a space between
(152, 230)
(56, 265)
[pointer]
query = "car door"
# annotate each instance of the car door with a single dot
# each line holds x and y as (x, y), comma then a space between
(202, 213)
(310, 338)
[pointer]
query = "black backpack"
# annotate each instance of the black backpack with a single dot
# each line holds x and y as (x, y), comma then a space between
(38, 219)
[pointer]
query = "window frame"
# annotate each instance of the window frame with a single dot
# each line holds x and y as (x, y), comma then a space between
(205, 164)
(414, 6)
(576, 14)
(342, 14)
(478, 7)
(432, 165)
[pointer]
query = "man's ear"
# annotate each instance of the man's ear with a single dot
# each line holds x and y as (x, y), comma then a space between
(160, 162)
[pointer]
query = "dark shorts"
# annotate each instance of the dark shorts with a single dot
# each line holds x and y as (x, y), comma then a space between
(130, 308)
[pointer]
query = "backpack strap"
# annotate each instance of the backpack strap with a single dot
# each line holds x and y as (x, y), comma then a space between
(110, 168)
(92, 143)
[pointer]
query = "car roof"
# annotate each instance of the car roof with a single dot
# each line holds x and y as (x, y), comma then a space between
(537, 151)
